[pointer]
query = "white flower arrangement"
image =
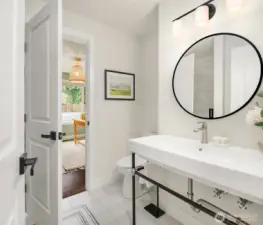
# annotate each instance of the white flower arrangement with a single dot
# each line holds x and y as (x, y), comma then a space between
(255, 116)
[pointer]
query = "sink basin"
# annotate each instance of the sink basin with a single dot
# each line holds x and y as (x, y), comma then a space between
(236, 170)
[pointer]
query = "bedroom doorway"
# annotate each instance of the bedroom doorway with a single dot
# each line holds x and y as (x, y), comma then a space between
(74, 117)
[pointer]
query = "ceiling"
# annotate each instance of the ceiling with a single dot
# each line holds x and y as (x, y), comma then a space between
(126, 15)
(70, 51)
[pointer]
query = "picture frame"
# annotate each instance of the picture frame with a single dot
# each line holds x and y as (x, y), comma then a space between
(119, 85)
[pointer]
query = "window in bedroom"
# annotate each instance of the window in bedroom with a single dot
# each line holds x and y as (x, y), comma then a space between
(72, 97)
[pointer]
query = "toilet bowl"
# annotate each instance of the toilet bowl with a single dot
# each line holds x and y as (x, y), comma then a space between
(124, 166)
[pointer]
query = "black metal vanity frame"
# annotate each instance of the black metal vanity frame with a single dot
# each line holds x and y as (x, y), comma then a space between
(135, 172)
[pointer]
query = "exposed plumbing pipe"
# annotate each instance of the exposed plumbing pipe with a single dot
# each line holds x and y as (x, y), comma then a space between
(211, 207)
(190, 193)
(176, 194)
(225, 213)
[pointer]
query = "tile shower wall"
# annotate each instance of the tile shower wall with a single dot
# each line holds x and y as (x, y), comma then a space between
(173, 120)
(203, 84)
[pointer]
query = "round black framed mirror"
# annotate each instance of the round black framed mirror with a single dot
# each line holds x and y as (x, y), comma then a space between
(217, 76)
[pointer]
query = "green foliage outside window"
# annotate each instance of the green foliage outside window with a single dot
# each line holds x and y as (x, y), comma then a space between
(71, 94)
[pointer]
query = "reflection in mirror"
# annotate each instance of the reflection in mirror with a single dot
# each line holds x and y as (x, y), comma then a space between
(217, 76)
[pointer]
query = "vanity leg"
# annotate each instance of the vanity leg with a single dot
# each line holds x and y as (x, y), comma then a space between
(133, 191)
(157, 201)
(155, 210)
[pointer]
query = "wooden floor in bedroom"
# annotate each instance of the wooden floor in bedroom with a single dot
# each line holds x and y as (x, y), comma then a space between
(73, 183)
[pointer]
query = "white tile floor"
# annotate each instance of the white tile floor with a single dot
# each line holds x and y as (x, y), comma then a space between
(110, 208)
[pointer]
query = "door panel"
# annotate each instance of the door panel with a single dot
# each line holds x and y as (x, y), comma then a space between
(40, 82)
(40, 185)
(43, 102)
(12, 200)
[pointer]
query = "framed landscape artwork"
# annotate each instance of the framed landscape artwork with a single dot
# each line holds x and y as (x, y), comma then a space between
(119, 85)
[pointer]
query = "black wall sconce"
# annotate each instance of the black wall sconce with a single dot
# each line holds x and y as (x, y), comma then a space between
(212, 10)
(204, 13)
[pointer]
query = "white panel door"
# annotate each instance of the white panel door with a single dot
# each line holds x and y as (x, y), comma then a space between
(12, 188)
(43, 109)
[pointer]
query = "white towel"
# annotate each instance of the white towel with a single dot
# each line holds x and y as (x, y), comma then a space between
(143, 181)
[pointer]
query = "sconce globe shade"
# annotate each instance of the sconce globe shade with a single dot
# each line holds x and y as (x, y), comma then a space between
(77, 75)
(234, 5)
(177, 27)
(202, 15)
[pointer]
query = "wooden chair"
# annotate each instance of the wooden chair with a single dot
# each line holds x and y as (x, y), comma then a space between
(82, 123)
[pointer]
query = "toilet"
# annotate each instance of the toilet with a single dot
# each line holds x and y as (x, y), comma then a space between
(124, 166)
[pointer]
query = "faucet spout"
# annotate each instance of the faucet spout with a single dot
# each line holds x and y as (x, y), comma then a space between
(196, 130)
(202, 129)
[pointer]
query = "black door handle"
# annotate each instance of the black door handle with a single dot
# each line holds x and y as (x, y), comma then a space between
(60, 135)
(52, 136)
(25, 162)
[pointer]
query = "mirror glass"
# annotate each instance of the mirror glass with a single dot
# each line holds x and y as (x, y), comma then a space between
(217, 76)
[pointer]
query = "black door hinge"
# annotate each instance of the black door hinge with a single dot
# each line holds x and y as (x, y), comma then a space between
(25, 47)
(88, 123)
(25, 118)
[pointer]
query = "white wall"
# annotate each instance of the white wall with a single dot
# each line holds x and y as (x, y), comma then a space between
(113, 121)
(173, 120)
(147, 112)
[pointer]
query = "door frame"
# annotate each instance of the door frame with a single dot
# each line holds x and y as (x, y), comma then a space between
(82, 38)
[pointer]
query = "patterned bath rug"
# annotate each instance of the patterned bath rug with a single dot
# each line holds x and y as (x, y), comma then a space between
(81, 215)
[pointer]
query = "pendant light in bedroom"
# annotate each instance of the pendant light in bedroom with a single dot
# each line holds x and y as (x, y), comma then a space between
(77, 75)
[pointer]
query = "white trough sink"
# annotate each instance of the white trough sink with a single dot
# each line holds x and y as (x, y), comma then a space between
(238, 171)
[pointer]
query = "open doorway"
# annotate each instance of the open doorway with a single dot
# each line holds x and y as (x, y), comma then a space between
(74, 112)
